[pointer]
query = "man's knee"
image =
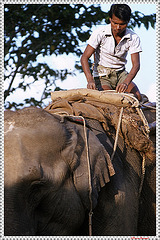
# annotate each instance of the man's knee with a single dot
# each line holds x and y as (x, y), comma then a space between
(132, 88)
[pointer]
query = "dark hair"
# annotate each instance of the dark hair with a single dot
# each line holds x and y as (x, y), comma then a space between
(122, 11)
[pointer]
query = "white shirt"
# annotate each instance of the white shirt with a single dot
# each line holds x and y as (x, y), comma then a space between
(106, 54)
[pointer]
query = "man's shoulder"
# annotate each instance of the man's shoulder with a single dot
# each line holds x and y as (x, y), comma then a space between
(134, 41)
(131, 33)
(102, 30)
(98, 35)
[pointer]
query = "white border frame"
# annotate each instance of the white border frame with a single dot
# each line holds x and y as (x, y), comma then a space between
(2, 2)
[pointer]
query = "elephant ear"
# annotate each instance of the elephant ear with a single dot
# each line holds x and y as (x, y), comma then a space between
(99, 163)
(70, 154)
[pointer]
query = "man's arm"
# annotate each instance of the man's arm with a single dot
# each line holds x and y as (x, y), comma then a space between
(85, 65)
(135, 58)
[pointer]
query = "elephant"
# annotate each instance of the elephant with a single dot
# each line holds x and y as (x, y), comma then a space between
(46, 178)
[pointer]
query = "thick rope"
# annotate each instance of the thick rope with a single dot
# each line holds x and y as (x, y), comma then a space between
(89, 177)
(146, 106)
(144, 120)
(117, 133)
(143, 174)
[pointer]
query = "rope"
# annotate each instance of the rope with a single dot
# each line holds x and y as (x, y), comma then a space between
(89, 178)
(117, 133)
(143, 174)
(146, 106)
(114, 150)
(144, 120)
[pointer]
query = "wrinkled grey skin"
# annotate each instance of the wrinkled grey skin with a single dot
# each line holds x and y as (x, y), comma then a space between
(40, 195)
(147, 203)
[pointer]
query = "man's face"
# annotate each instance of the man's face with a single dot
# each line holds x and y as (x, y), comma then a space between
(118, 26)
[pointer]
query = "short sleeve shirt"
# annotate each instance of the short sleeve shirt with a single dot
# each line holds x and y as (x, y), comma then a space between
(109, 55)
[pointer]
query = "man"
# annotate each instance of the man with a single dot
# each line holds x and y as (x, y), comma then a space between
(110, 45)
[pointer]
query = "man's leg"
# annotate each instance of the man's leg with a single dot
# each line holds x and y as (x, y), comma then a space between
(106, 87)
(132, 88)
(102, 83)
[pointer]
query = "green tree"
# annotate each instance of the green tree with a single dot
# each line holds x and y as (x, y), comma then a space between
(32, 30)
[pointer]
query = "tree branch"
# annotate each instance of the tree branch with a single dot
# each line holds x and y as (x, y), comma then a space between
(6, 93)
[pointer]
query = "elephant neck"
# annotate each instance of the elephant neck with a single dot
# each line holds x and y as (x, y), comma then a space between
(131, 163)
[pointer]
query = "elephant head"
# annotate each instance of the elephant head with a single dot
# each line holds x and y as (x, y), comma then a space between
(46, 173)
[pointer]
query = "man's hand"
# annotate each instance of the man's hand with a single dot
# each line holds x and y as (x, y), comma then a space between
(122, 87)
(91, 85)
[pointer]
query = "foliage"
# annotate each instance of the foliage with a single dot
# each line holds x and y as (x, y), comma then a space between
(33, 31)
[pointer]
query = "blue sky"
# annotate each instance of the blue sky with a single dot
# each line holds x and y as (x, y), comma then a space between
(145, 79)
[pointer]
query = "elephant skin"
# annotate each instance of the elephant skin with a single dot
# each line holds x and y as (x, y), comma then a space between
(147, 202)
